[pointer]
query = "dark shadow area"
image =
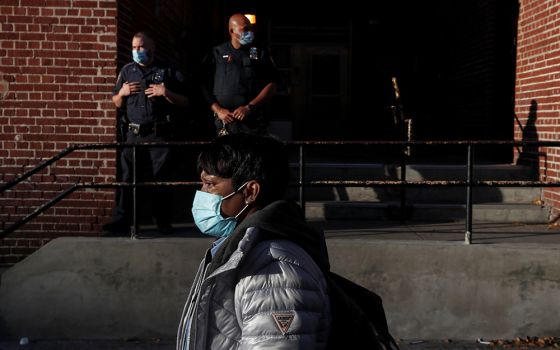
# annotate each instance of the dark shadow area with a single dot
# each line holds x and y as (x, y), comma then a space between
(455, 63)
(529, 155)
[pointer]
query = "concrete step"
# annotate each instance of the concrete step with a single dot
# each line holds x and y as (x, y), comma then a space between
(496, 212)
(447, 200)
(512, 195)
(414, 172)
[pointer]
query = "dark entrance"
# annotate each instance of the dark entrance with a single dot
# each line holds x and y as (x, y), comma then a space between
(454, 61)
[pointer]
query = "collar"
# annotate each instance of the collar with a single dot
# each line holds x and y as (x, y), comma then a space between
(216, 245)
(138, 68)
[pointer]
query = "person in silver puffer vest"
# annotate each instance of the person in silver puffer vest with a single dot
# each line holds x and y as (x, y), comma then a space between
(261, 285)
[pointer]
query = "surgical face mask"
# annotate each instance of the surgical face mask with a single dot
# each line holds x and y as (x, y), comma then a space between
(141, 57)
(246, 38)
(207, 215)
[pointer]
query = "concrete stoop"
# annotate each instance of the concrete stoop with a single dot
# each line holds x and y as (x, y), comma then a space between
(116, 288)
(414, 172)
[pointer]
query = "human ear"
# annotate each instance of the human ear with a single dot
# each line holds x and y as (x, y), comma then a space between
(251, 191)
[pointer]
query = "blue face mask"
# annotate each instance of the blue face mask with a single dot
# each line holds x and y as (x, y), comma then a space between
(207, 214)
(140, 57)
(246, 38)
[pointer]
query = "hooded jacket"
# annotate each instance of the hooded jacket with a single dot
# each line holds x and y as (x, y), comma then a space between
(263, 288)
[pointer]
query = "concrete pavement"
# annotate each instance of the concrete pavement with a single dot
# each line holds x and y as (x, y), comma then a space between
(159, 344)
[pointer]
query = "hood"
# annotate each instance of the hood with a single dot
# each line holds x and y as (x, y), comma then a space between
(280, 220)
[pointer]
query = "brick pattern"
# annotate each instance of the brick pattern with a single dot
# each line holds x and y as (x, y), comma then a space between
(537, 93)
(57, 68)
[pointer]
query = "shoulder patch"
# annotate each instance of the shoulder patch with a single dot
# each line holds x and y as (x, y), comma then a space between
(283, 320)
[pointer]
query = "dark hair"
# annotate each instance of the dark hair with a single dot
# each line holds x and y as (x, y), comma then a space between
(245, 157)
(145, 36)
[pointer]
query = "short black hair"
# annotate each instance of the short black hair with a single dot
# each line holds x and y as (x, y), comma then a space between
(245, 157)
(146, 36)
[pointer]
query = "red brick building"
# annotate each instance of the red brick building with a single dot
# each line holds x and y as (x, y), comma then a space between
(463, 76)
(537, 87)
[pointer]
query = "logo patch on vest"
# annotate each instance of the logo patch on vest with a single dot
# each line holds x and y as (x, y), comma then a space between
(283, 320)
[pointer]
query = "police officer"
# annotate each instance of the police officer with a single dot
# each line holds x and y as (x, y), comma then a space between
(151, 93)
(239, 79)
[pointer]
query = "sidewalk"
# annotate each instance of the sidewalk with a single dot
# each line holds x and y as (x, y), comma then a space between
(136, 344)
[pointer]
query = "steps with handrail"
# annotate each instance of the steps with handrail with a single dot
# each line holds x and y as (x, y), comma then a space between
(491, 204)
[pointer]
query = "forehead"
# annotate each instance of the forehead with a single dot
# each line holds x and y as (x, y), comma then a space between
(214, 178)
(137, 41)
(242, 23)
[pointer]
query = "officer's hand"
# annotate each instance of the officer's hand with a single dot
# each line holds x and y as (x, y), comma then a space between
(156, 90)
(241, 112)
(225, 115)
(129, 88)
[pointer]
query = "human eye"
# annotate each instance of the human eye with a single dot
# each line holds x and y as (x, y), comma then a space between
(207, 185)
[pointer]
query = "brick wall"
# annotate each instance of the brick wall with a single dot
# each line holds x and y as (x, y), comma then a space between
(57, 68)
(537, 93)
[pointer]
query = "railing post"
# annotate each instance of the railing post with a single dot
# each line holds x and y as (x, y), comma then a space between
(403, 187)
(301, 178)
(134, 228)
(469, 204)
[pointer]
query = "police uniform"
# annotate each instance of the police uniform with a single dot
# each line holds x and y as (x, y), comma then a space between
(148, 120)
(233, 77)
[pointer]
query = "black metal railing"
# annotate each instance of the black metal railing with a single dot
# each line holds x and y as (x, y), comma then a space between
(469, 183)
(95, 146)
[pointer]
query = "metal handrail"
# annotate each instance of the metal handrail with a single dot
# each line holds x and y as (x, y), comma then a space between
(89, 146)
(469, 183)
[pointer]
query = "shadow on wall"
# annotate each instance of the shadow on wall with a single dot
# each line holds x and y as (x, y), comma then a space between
(529, 155)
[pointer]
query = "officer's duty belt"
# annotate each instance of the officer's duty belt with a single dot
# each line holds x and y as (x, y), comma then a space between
(146, 128)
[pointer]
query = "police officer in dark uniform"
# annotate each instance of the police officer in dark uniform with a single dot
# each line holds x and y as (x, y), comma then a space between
(151, 93)
(239, 79)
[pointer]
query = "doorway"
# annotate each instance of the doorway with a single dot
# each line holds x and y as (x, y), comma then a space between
(319, 98)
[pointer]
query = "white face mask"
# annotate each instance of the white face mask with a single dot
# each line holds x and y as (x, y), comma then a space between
(141, 57)
(207, 215)
(246, 37)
